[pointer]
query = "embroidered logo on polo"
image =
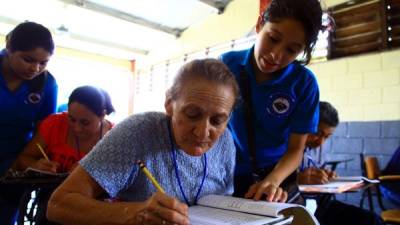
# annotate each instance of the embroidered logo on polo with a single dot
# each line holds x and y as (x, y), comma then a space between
(280, 104)
(34, 98)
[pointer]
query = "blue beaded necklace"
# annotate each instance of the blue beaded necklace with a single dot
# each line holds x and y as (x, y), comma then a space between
(173, 155)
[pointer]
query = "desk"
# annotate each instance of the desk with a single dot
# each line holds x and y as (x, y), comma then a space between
(43, 187)
(323, 196)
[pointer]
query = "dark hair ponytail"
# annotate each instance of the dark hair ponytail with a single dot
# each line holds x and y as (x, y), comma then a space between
(28, 36)
(307, 12)
(96, 100)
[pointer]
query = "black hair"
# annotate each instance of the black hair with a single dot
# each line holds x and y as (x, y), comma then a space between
(328, 114)
(30, 35)
(307, 12)
(208, 69)
(95, 99)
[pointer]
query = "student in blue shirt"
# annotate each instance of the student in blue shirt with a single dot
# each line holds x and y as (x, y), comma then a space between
(28, 94)
(330, 212)
(271, 126)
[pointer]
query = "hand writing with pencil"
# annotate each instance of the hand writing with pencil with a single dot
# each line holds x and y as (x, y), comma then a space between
(163, 209)
(44, 164)
(313, 175)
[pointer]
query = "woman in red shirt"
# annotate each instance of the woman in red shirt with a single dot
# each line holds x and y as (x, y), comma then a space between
(67, 137)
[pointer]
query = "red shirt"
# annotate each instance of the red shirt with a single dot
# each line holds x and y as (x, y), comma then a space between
(54, 130)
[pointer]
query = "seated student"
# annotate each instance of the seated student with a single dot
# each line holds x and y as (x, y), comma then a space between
(28, 93)
(332, 212)
(391, 190)
(67, 137)
(187, 149)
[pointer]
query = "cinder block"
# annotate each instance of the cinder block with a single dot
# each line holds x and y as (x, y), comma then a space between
(355, 164)
(324, 83)
(389, 145)
(353, 81)
(391, 129)
(327, 146)
(373, 112)
(372, 146)
(390, 59)
(336, 98)
(339, 67)
(352, 113)
(365, 96)
(338, 156)
(389, 111)
(347, 145)
(380, 146)
(391, 94)
(371, 62)
(364, 129)
(316, 69)
(382, 78)
(341, 130)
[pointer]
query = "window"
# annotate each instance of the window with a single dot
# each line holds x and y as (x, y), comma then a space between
(365, 26)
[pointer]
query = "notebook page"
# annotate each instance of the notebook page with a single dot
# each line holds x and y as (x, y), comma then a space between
(200, 215)
(264, 208)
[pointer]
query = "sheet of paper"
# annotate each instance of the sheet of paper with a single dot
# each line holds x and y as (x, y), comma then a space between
(331, 187)
(244, 205)
(200, 215)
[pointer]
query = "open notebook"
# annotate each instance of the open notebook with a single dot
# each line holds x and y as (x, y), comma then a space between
(227, 210)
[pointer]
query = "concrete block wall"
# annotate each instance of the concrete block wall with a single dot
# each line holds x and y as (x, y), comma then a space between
(362, 88)
(366, 92)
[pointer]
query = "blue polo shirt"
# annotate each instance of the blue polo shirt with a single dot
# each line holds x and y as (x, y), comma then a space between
(281, 106)
(19, 115)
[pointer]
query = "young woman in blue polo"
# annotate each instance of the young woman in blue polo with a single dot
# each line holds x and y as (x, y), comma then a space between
(280, 98)
(28, 94)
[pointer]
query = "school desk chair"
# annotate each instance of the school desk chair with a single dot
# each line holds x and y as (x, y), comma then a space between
(372, 170)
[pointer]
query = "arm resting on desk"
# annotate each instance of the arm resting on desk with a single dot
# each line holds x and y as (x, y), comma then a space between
(74, 202)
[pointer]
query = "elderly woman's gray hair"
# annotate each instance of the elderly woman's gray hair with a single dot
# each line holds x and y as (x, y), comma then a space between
(212, 70)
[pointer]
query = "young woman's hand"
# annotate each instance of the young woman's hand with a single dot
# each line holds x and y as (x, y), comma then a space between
(43, 164)
(271, 191)
(163, 209)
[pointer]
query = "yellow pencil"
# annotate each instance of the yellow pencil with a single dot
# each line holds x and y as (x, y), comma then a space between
(151, 178)
(42, 151)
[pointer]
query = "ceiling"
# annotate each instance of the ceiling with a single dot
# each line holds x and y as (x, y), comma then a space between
(125, 29)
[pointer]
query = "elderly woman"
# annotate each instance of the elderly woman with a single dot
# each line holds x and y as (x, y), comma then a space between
(187, 149)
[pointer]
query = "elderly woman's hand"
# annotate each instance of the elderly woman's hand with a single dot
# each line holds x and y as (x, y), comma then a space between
(163, 209)
(272, 191)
